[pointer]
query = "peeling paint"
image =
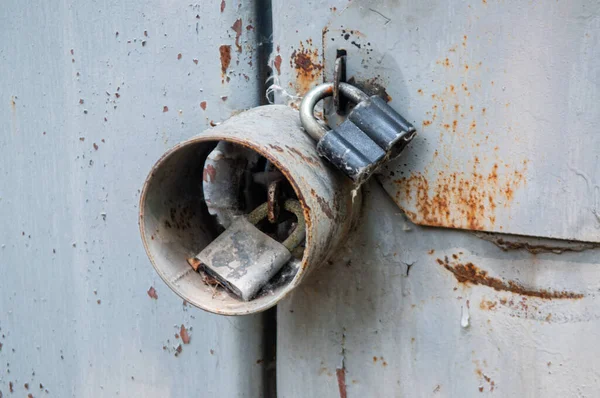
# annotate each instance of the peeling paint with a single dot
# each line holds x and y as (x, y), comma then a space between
(237, 28)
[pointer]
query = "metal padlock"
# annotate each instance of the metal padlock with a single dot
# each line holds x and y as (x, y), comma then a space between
(243, 258)
(372, 133)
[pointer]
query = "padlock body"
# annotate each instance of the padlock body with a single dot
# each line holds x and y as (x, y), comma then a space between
(373, 133)
(243, 258)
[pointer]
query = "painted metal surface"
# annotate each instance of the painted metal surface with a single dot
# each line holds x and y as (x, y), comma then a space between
(175, 226)
(92, 94)
(410, 310)
(503, 97)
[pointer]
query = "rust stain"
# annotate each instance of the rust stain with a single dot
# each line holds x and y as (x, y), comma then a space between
(305, 61)
(470, 274)
(237, 28)
(222, 5)
(203, 105)
(209, 174)
(152, 293)
(323, 204)
(307, 159)
(458, 199)
(185, 337)
(276, 147)
(179, 56)
(249, 27)
(487, 305)
(277, 64)
(165, 108)
(485, 377)
(194, 263)
(225, 52)
(341, 378)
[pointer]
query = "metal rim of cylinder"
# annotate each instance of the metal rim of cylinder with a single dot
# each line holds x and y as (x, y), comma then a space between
(329, 203)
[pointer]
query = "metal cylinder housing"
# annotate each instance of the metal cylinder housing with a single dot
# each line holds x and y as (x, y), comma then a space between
(175, 224)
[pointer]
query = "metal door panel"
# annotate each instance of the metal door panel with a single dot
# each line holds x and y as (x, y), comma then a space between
(413, 311)
(93, 93)
(503, 96)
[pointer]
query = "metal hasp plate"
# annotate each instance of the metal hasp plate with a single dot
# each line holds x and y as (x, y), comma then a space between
(243, 258)
(505, 97)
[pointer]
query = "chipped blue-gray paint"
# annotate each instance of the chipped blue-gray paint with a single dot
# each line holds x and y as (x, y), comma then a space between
(75, 315)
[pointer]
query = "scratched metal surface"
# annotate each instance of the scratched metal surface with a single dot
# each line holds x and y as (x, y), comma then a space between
(85, 114)
(503, 95)
(416, 311)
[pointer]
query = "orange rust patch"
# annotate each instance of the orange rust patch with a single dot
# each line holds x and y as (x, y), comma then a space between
(203, 105)
(222, 5)
(305, 61)
(470, 274)
(185, 337)
(277, 64)
(457, 199)
(237, 28)
(225, 52)
(152, 293)
(487, 305)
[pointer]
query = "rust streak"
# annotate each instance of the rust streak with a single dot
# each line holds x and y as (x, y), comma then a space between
(469, 273)
(222, 5)
(341, 378)
(307, 159)
(323, 204)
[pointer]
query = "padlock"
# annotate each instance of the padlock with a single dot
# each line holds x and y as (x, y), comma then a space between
(372, 133)
(243, 258)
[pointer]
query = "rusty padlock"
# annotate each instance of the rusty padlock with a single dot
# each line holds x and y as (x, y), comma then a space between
(243, 258)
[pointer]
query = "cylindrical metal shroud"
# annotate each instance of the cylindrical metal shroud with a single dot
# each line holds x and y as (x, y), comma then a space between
(175, 224)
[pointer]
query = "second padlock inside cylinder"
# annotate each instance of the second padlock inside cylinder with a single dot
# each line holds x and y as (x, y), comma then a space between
(261, 222)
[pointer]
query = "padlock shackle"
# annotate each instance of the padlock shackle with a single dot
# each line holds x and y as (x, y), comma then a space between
(294, 207)
(311, 125)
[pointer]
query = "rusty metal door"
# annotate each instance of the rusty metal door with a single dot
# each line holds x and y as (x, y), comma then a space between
(502, 299)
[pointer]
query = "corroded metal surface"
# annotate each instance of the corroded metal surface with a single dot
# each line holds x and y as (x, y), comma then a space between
(507, 136)
(413, 311)
(92, 93)
(510, 315)
(176, 226)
